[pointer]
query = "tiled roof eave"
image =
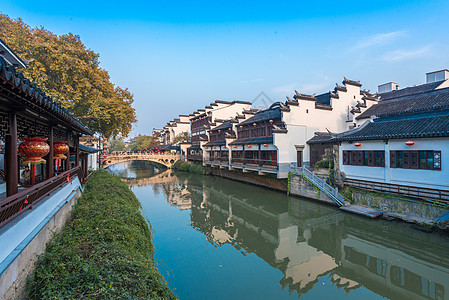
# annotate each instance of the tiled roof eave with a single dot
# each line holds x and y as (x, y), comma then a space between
(15, 82)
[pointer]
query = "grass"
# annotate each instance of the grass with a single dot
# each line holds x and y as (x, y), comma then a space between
(105, 251)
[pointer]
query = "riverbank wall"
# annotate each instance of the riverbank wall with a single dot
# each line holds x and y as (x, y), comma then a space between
(24, 239)
(406, 209)
(365, 203)
(264, 181)
(105, 250)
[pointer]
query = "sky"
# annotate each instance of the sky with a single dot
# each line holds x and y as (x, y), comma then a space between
(177, 57)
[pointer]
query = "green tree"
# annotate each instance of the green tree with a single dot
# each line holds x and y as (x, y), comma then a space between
(142, 142)
(183, 137)
(67, 71)
(117, 144)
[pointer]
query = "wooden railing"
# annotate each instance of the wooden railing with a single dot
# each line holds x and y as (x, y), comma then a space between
(403, 190)
(255, 162)
(14, 205)
(194, 157)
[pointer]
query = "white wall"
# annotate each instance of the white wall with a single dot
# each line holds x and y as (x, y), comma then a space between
(437, 179)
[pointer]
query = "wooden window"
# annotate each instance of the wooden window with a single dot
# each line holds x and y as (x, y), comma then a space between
(393, 159)
(437, 160)
(414, 159)
(346, 157)
(424, 159)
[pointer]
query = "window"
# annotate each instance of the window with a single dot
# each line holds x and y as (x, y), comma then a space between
(364, 158)
(424, 159)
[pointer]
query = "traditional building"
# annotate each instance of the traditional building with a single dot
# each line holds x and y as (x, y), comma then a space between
(273, 140)
(208, 118)
(403, 145)
(38, 183)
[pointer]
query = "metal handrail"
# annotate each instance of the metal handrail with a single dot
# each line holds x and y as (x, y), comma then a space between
(320, 184)
(403, 190)
(14, 205)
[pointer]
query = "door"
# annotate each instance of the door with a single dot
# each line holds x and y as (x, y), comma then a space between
(299, 158)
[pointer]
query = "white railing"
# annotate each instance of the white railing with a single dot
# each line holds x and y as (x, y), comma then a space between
(320, 184)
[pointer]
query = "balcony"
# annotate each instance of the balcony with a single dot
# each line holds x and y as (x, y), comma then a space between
(262, 163)
(194, 157)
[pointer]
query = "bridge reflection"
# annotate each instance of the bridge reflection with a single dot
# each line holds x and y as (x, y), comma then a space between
(307, 241)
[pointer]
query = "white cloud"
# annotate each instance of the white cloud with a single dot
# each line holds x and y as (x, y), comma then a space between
(311, 88)
(400, 55)
(378, 39)
(307, 88)
(285, 90)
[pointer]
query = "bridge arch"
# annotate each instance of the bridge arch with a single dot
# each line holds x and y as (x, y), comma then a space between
(166, 160)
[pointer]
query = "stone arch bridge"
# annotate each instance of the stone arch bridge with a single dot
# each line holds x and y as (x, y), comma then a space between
(164, 159)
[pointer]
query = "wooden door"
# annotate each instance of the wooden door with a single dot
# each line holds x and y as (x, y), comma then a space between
(299, 158)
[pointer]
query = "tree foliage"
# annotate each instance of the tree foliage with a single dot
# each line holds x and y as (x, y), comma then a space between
(142, 142)
(117, 144)
(183, 137)
(67, 71)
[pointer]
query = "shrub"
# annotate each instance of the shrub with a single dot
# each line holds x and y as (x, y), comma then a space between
(325, 163)
(187, 167)
(105, 251)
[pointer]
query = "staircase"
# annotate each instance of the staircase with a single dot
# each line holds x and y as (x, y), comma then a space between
(320, 184)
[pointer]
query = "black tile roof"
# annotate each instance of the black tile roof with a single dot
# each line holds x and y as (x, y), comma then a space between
(259, 140)
(419, 127)
(217, 143)
(33, 96)
(324, 99)
(320, 137)
(264, 115)
(410, 91)
(88, 149)
(410, 104)
(226, 125)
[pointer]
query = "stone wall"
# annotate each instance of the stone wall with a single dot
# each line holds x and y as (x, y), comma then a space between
(265, 181)
(13, 278)
(300, 187)
(396, 205)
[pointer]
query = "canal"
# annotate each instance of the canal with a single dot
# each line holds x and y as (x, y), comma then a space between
(220, 239)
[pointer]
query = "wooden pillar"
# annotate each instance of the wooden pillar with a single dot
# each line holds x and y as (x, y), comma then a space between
(50, 155)
(260, 157)
(77, 151)
(11, 161)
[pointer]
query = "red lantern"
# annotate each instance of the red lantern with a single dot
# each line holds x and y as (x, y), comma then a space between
(104, 151)
(213, 147)
(357, 144)
(205, 147)
(241, 127)
(410, 143)
(229, 129)
(105, 143)
(105, 139)
(254, 124)
(265, 145)
(271, 121)
(59, 149)
(249, 146)
(235, 147)
(34, 149)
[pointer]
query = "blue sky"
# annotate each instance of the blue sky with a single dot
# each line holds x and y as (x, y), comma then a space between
(179, 56)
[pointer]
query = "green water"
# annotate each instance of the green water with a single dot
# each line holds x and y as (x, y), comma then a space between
(220, 239)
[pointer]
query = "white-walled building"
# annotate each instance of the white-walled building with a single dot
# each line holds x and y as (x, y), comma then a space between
(208, 118)
(402, 144)
(273, 140)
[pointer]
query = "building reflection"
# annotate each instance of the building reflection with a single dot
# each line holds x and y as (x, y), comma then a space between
(307, 241)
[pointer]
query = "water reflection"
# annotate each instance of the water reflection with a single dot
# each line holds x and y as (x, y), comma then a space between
(308, 241)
